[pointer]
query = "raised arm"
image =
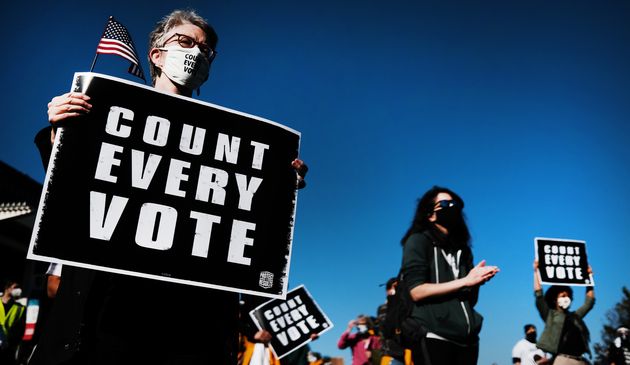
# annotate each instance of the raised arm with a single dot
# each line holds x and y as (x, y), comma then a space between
(589, 299)
(537, 284)
(541, 305)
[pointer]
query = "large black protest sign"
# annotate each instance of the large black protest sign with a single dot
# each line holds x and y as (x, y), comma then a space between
(292, 321)
(165, 187)
(562, 261)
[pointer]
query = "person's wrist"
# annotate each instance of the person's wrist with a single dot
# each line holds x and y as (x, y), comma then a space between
(466, 282)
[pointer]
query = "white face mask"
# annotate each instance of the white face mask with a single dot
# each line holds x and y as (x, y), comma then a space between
(362, 328)
(187, 67)
(311, 358)
(564, 302)
(16, 293)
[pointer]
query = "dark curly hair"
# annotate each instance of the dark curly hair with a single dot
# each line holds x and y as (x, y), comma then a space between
(425, 208)
(551, 296)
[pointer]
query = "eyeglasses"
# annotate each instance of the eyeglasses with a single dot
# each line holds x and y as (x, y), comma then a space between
(187, 42)
(446, 204)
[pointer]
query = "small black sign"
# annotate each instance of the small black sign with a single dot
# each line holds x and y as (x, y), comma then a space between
(291, 322)
(563, 262)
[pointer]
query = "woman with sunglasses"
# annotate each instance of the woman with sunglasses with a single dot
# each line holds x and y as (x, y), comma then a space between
(438, 269)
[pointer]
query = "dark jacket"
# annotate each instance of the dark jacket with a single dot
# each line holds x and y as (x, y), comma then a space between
(554, 322)
(450, 316)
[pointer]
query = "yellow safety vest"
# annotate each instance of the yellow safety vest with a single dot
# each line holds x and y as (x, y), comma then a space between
(13, 315)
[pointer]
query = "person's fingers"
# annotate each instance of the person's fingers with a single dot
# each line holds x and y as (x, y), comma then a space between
(79, 99)
(68, 105)
(55, 114)
(300, 167)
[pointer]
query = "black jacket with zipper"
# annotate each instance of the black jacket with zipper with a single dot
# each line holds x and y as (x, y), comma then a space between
(452, 315)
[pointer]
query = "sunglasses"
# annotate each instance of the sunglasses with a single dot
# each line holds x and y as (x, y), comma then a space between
(446, 204)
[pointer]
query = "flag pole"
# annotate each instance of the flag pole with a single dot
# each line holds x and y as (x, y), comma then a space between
(93, 62)
(111, 17)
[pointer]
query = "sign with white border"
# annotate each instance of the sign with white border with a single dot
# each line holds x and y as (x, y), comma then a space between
(291, 321)
(166, 187)
(562, 262)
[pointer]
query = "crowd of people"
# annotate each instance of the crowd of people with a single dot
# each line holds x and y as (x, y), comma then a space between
(439, 273)
(91, 320)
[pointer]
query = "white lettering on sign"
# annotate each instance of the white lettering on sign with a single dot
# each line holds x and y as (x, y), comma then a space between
(290, 320)
(156, 131)
(239, 240)
(106, 160)
(562, 262)
(157, 224)
(113, 125)
(150, 169)
(160, 219)
(189, 143)
(141, 173)
(203, 232)
(103, 221)
(226, 150)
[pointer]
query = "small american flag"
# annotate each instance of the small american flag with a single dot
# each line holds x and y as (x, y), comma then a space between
(116, 40)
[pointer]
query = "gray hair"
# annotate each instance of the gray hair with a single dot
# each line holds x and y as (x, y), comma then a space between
(170, 21)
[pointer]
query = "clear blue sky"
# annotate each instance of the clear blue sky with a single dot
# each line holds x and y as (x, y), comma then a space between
(520, 106)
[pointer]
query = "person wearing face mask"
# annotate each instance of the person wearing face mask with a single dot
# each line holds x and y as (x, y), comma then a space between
(444, 283)
(393, 353)
(619, 350)
(106, 318)
(525, 351)
(362, 341)
(565, 335)
(12, 322)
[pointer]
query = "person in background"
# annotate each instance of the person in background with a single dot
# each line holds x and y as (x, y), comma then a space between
(619, 351)
(438, 269)
(315, 358)
(393, 352)
(254, 346)
(525, 351)
(362, 341)
(105, 318)
(565, 335)
(12, 322)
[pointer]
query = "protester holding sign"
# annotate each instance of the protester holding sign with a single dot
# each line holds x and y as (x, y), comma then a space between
(438, 268)
(565, 335)
(104, 318)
